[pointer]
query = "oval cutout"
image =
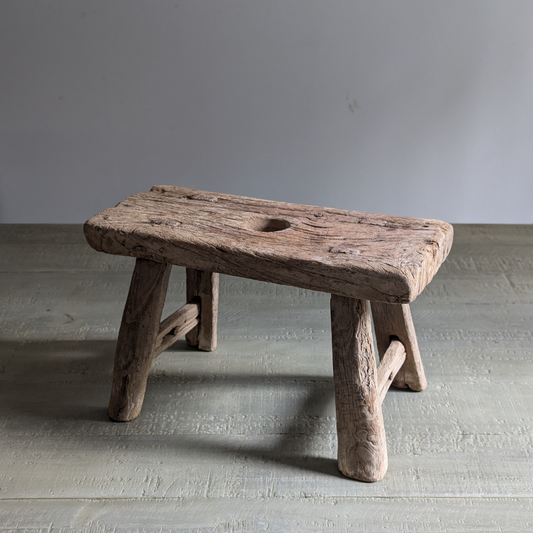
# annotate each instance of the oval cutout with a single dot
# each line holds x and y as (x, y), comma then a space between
(268, 225)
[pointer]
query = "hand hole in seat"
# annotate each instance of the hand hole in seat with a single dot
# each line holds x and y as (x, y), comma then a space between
(267, 225)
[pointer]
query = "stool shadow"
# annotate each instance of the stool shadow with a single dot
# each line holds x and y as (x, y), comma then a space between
(56, 381)
(67, 384)
(292, 447)
(299, 434)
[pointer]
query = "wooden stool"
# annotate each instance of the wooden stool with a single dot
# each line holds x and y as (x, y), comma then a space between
(356, 257)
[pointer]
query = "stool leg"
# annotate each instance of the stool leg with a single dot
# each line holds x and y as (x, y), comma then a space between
(136, 338)
(394, 320)
(362, 448)
(203, 286)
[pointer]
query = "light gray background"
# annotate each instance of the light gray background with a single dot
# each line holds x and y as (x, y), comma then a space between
(409, 107)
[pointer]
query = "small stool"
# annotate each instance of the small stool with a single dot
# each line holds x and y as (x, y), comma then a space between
(356, 257)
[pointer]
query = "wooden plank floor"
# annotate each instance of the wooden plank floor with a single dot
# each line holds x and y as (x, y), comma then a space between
(243, 439)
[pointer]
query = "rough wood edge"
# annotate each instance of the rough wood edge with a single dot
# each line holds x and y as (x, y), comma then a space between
(394, 321)
(391, 362)
(362, 449)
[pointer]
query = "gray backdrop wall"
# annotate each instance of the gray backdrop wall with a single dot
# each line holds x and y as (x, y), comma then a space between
(410, 107)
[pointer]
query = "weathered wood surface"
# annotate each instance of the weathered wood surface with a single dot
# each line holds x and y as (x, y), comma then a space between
(362, 448)
(176, 320)
(395, 321)
(390, 364)
(137, 338)
(348, 253)
(176, 326)
(243, 439)
(204, 286)
(246, 515)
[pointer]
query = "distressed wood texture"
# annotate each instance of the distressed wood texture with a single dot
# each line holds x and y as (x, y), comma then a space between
(137, 338)
(362, 449)
(395, 321)
(391, 362)
(204, 287)
(324, 514)
(176, 326)
(348, 253)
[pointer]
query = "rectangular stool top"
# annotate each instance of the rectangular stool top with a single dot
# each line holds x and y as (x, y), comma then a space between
(348, 253)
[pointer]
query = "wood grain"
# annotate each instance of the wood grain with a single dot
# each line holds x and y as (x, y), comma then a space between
(362, 449)
(176, 326)
(395, 321)
(349, 253)
(184, 314)
(204, 286)
(257, 515)
(137, 338)
(390, 364)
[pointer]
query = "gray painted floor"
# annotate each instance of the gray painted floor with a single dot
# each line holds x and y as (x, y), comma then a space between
(243, 439)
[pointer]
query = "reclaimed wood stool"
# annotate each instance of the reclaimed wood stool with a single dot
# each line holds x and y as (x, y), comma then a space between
(356, 257)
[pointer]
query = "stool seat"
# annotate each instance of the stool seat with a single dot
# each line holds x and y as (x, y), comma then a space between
(347, 253)
(357, 257)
